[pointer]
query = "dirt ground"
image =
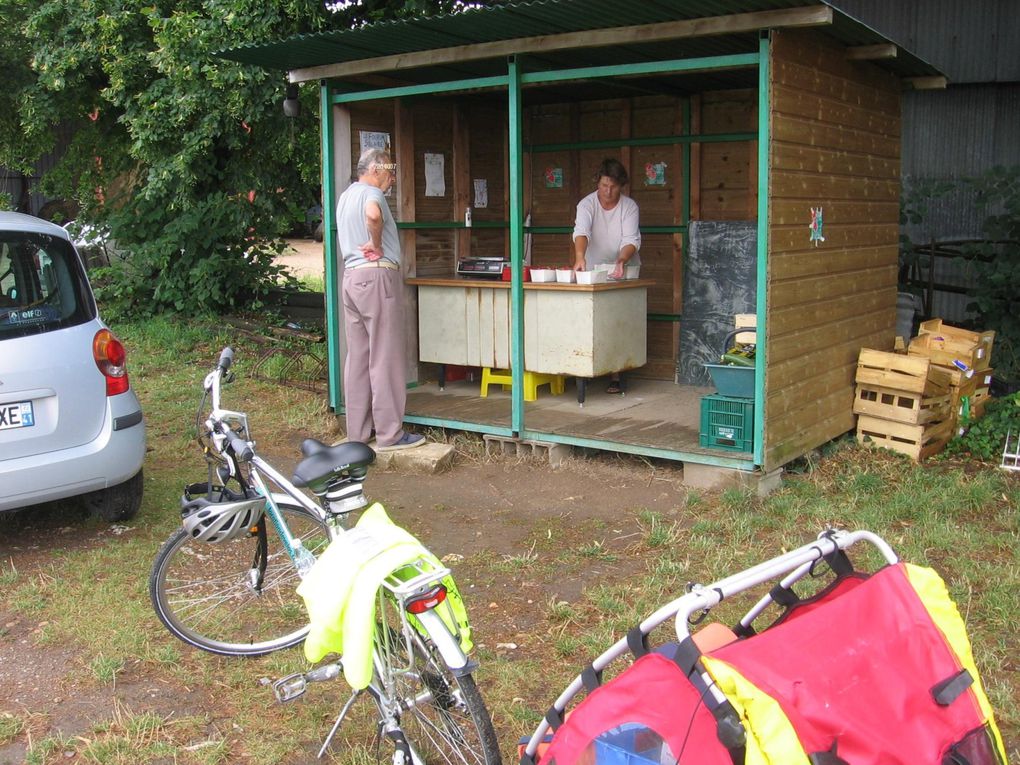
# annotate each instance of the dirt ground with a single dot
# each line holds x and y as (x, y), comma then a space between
(303, 257)
(482, 512)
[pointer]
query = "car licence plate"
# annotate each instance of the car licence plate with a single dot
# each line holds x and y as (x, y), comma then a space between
(16, 415)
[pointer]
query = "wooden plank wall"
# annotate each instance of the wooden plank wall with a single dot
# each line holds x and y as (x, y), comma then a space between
(835, 135)
(723, 181)
(552, 205)
(728, 183)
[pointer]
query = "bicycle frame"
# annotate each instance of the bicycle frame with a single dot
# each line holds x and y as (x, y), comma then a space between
(418, 629)
(219, 419)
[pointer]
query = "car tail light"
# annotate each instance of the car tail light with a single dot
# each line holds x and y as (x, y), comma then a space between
(111, 358)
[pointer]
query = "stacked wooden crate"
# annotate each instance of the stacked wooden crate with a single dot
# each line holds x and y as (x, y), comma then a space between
(967, 357)
(903, 403)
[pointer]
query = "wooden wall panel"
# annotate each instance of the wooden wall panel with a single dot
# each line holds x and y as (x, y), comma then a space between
(375, 117)
(726, 187)
(433, 134)
(488, 162)
(834, 144)
(660, 205)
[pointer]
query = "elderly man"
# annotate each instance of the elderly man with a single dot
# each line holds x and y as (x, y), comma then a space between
(373, 303)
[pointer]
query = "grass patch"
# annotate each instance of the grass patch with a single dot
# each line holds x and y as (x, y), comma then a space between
(10, 726)
(961, 520)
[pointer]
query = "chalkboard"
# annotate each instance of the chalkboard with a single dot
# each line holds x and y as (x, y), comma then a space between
(720, 275)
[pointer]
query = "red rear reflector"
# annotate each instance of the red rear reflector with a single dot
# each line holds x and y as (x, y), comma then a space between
(111, 358)
(428, 601)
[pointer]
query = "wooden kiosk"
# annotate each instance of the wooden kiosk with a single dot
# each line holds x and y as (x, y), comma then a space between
(764, 152)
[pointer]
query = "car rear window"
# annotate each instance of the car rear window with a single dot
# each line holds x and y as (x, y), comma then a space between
(42, 287)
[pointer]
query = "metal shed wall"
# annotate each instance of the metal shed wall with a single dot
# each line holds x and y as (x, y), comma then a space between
(969, 40)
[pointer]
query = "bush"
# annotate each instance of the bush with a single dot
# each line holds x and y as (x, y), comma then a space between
(986, 437)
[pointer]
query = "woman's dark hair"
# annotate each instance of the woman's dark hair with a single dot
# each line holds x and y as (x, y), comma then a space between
(611, 168)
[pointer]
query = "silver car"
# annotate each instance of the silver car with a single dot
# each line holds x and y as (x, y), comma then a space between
(70, 425)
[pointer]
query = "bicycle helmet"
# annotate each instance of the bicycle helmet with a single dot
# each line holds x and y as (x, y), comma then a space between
(219, 514)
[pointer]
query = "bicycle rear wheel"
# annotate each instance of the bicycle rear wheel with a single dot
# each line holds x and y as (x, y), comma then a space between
(442, 716)
(204, 595)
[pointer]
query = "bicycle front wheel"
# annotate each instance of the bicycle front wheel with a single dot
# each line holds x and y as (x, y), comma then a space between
(204, 593)
(442, 716)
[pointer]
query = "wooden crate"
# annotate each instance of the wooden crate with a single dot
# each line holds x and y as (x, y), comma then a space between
(894, 371)
(916, 441)
(978, 402)
(945, 344)
(961, 386)
(901, 406)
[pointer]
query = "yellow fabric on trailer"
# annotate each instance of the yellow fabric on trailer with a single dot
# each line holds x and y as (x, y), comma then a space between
(771, 739)
(933, 593)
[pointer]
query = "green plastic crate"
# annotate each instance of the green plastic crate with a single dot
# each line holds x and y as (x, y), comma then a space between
(727, 423)
(731, 380)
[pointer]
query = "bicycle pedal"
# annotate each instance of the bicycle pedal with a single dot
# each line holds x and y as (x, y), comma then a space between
(290, 687)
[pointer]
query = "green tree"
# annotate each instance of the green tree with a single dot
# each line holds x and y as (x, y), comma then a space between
(996, 298)
(186, 157)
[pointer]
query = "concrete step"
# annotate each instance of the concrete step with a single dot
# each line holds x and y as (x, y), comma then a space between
(430, 459)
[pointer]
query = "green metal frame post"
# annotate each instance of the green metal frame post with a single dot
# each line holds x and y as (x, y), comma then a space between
(329, 243)
(764, 141)
(516, 244)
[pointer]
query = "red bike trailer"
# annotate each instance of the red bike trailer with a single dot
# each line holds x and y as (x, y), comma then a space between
(873, 668)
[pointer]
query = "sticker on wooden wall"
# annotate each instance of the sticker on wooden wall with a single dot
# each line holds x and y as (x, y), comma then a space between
(481, 192)
(816, 225)
(373, 140)
(554, 177)
(435, 178)
(655, 174)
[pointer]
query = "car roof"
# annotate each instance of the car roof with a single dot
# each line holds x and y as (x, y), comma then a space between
(14, 221)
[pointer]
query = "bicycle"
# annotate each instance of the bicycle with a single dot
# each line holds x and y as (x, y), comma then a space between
(225, 582)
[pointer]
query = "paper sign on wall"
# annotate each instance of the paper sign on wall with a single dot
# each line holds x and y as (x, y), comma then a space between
(481, 192)
(435, 181)
(655, 174)
(373, 140)
(554, 177)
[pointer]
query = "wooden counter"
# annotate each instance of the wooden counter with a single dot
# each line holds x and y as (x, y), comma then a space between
(581, 330)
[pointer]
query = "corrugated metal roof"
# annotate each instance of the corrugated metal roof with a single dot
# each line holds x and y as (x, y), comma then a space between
(547, 17)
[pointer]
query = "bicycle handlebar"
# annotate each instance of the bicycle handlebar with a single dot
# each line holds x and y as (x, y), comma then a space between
(241, 448)
(226, 358)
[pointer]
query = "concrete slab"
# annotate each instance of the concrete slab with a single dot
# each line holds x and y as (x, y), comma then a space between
(430, 459)
(713, 477)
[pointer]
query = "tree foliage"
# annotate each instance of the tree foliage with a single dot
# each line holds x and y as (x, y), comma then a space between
(186, 158)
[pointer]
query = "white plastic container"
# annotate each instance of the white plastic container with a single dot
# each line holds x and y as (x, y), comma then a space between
(631, 272)
(565, 275)
(592, 277)
(543, 275)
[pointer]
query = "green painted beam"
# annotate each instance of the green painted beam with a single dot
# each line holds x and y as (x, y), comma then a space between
(329, 241)
(421, 90)
(472, 427)
(663, 140)
(736, 463)
(516, 200)
(736, 61)
(664, 317)
(764, 151)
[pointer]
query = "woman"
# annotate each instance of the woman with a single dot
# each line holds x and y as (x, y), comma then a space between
(606, 230)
